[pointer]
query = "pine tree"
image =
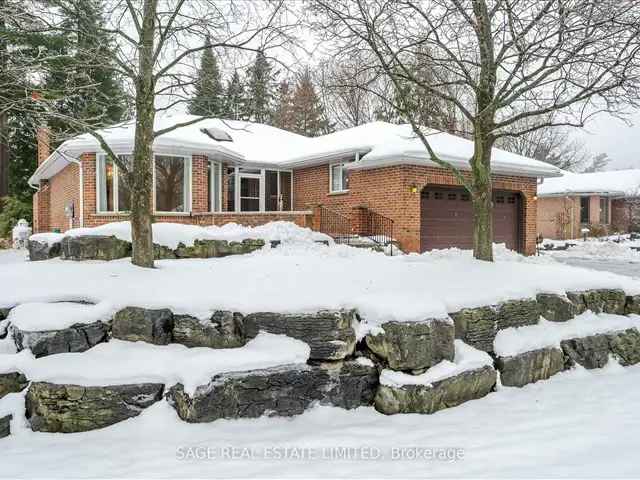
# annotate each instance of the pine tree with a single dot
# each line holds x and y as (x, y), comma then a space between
(308, 112)
(283, 116)
(234, 106)
(207, 100)
(84, 66)
(261, 86)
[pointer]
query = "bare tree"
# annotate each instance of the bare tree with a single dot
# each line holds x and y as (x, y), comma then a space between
(158, 42)
(553, 145)
(506, 61)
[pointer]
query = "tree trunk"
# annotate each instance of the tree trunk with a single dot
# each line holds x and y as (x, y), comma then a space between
(141, 177)
(482, 197)
(4, 133)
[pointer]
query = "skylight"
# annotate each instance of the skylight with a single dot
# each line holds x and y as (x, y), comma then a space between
(217, 134)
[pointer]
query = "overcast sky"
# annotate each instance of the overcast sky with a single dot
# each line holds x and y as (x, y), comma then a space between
(611, 136)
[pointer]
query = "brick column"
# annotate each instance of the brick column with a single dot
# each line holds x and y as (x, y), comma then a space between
(200, 184)
(317, 214)
(42, 206)
(359, 220)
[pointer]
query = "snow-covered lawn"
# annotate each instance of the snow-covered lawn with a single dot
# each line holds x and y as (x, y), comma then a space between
(579, 424)
(303, 276)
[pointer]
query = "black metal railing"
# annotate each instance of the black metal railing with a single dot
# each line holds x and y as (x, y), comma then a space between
(377, 228)
(336, 226)
(368, 229)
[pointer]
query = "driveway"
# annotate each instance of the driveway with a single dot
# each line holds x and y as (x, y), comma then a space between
(619, 266)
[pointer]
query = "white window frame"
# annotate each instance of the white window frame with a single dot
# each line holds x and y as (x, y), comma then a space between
(218, 166)
(102, 157)
(263, 178)
(188, 161)
(279, 192)
(342, 164)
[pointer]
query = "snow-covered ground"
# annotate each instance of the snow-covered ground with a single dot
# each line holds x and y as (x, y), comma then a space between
(302, 277)
(578, 424)
(599, 254)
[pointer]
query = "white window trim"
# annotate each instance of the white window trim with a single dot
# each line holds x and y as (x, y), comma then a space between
(188, 159)
(262, 177)
(218, 188)
(341, 165)
(116, 174)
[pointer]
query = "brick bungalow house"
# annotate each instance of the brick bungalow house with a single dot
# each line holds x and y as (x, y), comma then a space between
(605, 202)
(214, 172)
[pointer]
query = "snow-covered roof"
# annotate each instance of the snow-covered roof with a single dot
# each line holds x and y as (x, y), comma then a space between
(615, 183)
(378, 143)
(386, 144)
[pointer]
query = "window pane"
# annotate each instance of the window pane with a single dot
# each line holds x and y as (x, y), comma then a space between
(271, 191)
(170, 184)
(285, 190)
(231, 189)
(345, 178)
(249, 187)
(106, 184)
(214, 187)
(584, 209)
(250, 204)
(124, 192)
(336, 178)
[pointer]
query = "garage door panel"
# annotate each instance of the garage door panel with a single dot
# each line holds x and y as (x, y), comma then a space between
(447, 219)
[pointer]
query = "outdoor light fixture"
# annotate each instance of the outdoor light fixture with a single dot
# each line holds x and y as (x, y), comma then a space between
(413, 189)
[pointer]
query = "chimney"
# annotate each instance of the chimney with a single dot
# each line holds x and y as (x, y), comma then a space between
(43, 137)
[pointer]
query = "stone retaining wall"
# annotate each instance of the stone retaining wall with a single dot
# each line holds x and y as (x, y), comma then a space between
(339, 371)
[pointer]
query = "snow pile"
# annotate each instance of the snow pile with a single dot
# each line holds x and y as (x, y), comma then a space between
(595, 249)
(172, 234)
(32, 317)
(273, 231)
(117, 362)
(466, 358)
(47, 238)
(514, 341)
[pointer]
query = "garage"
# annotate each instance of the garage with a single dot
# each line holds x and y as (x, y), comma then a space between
(446, 218)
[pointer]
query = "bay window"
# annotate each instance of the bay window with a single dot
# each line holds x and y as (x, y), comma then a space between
(112, 192)
(172, 184)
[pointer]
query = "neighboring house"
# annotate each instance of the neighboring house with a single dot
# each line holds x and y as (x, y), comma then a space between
(604, 202)
(216, 171)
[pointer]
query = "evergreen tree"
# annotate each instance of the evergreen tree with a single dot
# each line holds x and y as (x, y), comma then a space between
(283, 116)
(208, 96)
(83, 68)
(234, 107)
(308, 112)
(261, 86)
(22, 153)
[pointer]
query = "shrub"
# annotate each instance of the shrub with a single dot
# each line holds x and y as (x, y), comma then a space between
(13, 209)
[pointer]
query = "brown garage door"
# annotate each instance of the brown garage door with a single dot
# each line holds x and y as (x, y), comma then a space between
(447, 219)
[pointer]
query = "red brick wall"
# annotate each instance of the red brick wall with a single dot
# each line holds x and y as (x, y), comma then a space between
(387, 191)
(54, 195)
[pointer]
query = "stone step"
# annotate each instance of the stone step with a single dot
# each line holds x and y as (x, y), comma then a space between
(432, 397)
(279, 391)
(5, 426)
(74, 408)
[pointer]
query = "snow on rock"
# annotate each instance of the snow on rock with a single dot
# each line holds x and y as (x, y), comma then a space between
(514, 341)
(172, 234)
(466, 358)
(37, 317)
(47, 238)
(118, 362)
